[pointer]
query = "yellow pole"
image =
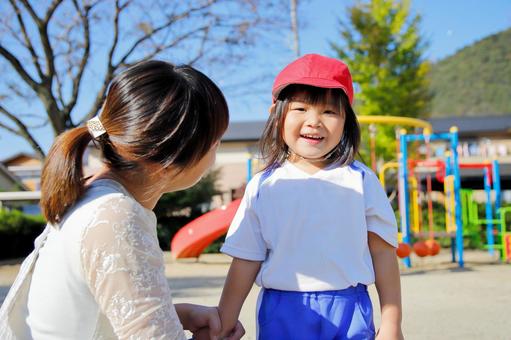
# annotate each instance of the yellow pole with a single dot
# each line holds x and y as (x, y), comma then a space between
(394, 120)
(415, 204)
(384, 168)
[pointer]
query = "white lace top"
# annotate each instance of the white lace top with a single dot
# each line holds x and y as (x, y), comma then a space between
(101, 274)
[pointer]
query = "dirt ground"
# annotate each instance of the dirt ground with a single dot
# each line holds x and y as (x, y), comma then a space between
(440, 300)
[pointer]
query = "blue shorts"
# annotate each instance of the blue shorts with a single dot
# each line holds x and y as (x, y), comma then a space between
(328, 315)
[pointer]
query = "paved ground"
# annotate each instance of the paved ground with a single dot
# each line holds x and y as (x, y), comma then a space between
(440, 301)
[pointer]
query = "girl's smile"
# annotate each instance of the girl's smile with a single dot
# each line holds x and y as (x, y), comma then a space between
(311, 131)
(312, 139)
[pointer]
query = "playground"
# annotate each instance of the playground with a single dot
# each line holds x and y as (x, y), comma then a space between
(455, 241)
(433, 209)
(440, 300)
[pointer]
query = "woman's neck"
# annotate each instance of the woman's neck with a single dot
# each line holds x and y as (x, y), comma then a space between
(141, 188)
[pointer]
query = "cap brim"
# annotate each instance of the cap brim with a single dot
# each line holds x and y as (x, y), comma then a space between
(316, 82)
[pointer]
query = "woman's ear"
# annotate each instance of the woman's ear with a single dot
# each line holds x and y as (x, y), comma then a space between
(271, 109)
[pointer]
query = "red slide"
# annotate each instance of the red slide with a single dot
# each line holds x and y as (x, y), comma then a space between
(194, 237)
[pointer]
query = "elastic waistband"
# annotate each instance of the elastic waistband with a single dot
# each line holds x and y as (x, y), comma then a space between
(353, 290)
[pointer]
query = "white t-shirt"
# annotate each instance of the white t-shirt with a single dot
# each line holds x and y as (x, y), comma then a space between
(99, 276)
(310, 231)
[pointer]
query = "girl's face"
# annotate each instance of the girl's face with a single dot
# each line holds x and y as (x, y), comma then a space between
(312, 130)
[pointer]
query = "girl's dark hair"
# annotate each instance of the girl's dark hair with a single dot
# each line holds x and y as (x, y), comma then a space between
(154, 112)
(273, 148)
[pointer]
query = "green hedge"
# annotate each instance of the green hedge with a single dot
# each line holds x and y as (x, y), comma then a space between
(18, 232)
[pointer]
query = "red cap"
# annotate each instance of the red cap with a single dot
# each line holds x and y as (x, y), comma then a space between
(315, 70)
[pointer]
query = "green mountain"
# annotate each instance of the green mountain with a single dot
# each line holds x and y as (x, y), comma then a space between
(475, 81)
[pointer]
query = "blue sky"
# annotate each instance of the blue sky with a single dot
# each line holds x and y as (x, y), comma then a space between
(448, 25)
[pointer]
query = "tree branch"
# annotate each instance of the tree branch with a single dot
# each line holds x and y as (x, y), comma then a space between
(22, 132)
(28, 42)
(77, 79)
(16, 64)
(10, 129)
(172, 20)
(42, 27)
(110, 69)
(174, 43)
(51, 10)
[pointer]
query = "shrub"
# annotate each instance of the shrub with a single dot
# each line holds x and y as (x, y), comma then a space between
(18, 232)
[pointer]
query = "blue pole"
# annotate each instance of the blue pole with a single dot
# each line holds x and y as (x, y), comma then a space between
(489, 224)
(496, 187)
(457, 187)
(249, 169)
(448, 172)
(405, 212)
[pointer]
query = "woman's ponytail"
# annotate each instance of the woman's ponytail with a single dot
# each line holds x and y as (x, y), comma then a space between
(62, 177)
(154, 113)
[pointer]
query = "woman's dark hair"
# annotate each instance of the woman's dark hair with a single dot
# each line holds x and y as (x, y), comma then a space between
(273, 148)
(154, 112)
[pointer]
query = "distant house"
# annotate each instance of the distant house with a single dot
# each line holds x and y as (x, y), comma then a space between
(480, 139)
(27, 168)
(8, 182)
(15, 194)
(239, 146)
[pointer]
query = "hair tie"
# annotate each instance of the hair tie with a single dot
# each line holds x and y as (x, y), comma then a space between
(95, 127)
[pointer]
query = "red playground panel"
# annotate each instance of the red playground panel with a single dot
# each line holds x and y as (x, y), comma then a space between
(194, 237)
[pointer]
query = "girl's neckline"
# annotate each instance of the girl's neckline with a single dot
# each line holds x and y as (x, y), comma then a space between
(296, 168)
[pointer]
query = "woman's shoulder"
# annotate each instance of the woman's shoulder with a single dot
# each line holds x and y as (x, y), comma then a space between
(106, 198)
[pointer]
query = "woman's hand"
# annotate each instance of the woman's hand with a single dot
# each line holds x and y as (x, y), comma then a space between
(204, 322)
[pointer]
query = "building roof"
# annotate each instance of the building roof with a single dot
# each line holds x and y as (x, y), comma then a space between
(19, 156)
(4, 172)
(244, 131)
(474, 126)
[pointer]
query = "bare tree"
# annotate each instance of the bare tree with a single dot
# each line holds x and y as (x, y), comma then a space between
(52, 49)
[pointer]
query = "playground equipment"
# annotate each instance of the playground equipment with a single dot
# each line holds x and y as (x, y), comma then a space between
(194, 237)
(505, 245)
(451, 169)
(404, 248)
(470, 220)
(388, 120)
(470, 215)
(430, 247)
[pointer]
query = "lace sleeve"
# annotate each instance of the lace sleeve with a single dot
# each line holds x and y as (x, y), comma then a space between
(124, 268)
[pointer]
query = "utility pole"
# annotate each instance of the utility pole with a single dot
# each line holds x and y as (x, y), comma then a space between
(294, 27)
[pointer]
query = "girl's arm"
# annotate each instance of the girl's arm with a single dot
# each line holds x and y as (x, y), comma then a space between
(388, 285)
(239, 281)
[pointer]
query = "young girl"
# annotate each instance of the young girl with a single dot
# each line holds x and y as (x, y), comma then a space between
(97, 271)
(315, 226)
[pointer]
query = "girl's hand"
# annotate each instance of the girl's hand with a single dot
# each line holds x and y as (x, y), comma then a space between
(204, 323)
(235, 334)
(389, 333)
